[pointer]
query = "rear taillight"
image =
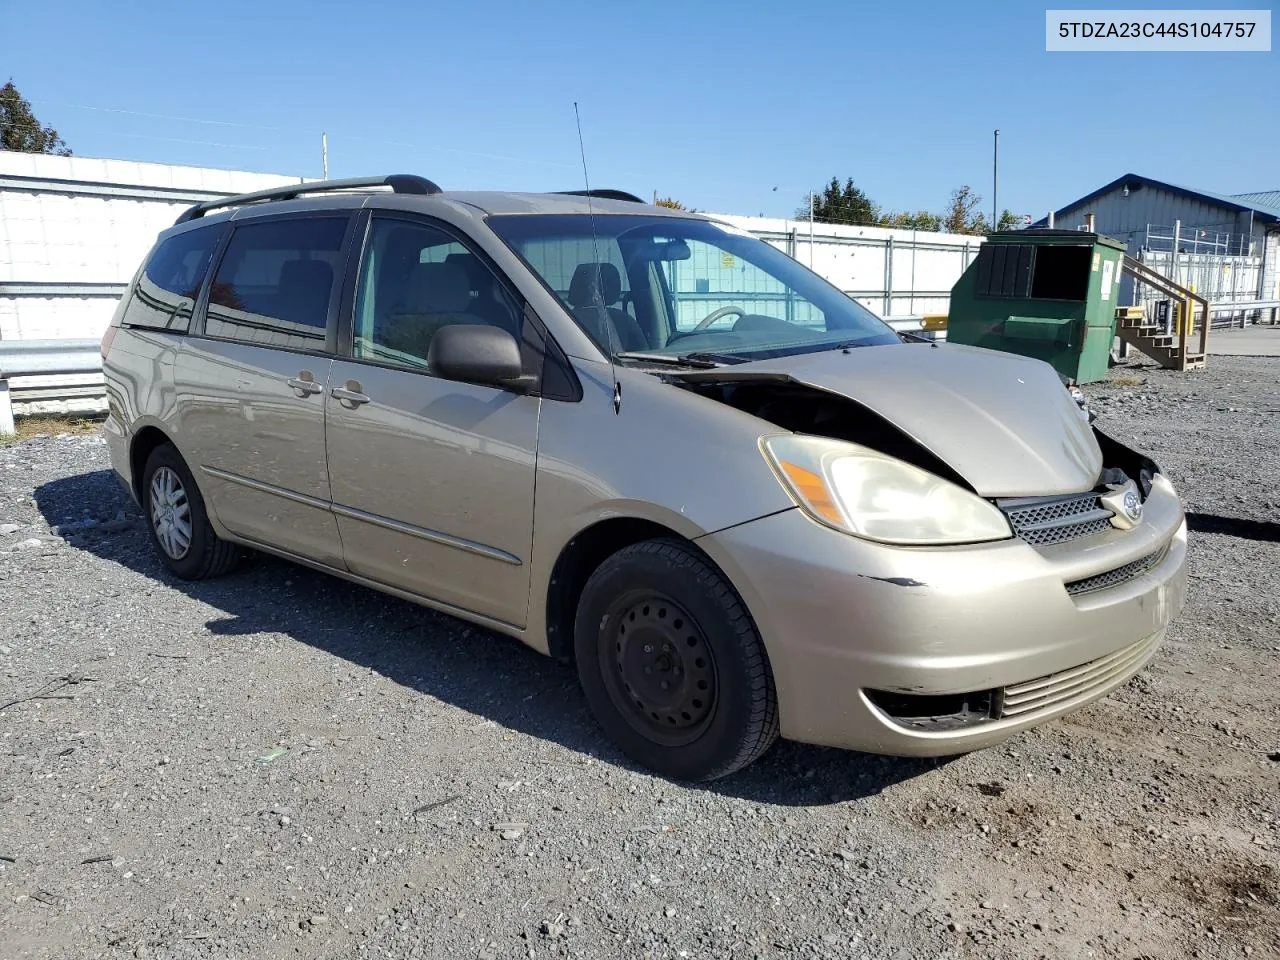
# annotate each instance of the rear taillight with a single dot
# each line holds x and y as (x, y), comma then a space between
(107, 338)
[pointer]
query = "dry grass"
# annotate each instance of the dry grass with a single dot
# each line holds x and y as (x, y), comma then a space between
(46, 426)
(1126, 380)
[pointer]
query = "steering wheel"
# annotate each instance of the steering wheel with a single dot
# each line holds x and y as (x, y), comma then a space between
(715, 315)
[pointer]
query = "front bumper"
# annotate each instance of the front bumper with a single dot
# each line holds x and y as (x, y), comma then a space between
(849, 624)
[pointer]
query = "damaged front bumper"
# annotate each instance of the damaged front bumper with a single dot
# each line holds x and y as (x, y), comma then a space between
(937, 651)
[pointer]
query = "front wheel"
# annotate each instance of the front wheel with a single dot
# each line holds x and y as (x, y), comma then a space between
(671, 663)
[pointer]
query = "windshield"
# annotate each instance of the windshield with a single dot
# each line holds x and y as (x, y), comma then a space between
(682, 288)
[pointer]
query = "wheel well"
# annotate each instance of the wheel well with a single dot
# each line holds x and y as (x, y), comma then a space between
(579, 559)
(144, 443)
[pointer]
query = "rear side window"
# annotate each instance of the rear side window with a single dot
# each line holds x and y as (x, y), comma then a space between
(274, 284)
(170, 282)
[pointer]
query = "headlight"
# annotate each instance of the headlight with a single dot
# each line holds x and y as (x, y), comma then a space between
(872, 495)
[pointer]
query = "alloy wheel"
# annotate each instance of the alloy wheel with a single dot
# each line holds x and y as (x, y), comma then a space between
(170, 513)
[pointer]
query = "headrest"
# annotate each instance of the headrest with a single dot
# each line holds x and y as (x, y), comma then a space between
(298, 275)
(438, 288)
(590, 279)
(472, 267)
(403, 245)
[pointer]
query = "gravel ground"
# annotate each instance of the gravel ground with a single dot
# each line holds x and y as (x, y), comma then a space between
(279, 764)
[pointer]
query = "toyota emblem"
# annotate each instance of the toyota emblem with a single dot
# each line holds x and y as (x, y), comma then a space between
(1125, 504)
(1133, 506)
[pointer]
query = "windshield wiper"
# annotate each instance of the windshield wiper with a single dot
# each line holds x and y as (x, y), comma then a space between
(715, 359)
(681, 360)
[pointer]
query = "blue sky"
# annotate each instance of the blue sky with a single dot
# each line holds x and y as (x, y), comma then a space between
(716, 103)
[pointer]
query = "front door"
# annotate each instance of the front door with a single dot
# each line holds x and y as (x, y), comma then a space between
(250, 387)
(432, 480)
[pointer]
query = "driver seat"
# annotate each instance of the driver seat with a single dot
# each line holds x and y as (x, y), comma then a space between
(593, 293)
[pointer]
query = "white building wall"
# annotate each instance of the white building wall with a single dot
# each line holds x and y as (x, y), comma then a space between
(1271, 267)
(74, 229)
(54, 318)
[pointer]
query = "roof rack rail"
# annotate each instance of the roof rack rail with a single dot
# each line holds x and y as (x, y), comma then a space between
(398, 182)
(602, 195)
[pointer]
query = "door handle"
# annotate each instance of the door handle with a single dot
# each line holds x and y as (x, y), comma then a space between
(304, 384)
(349, 394)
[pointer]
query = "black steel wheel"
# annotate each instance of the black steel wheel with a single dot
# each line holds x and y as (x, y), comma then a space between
(672, 665)
(660, 674)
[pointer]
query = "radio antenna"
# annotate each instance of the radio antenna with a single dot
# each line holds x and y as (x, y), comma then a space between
(605, 321)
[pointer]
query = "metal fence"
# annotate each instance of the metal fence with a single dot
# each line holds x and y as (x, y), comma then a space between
(1214, 276)
(1229, 283)
(1215, 238)
(896, 273)
(1216, 261)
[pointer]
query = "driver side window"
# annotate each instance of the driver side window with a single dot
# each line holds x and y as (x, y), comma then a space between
(416, 279)
(712, 278)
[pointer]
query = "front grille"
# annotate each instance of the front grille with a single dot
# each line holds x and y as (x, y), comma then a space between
(1056, 689)
(1113, 578)
(1044, 520)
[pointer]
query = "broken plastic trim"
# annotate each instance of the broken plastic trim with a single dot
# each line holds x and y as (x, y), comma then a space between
(1115, 455)
(949, 711)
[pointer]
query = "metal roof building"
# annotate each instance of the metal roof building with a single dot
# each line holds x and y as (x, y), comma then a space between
(1151, 215)
(1265, 198)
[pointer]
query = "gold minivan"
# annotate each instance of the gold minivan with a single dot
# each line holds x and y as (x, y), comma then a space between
(648, 442)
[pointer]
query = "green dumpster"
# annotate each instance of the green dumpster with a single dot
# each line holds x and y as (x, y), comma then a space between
(1048, 294)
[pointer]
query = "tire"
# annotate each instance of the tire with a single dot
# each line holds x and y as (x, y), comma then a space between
(671, 663)
(178, 522)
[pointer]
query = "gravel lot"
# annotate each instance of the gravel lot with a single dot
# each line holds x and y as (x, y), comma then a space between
(279, 764)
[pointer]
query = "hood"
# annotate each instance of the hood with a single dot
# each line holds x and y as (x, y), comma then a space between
(1004, 423)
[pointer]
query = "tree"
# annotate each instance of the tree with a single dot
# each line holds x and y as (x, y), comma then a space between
(21, 131)
(1008, 221)
(837, 204)
(920, 220)
(671, 202)
(962, 214)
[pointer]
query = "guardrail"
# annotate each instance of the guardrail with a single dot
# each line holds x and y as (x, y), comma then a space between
(1244, 308)
(40, 358)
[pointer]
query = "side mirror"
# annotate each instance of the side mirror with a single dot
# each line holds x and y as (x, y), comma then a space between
(475, 353)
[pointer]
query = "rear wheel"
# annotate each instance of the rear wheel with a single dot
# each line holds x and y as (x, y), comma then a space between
(672, 665)
(177, 519)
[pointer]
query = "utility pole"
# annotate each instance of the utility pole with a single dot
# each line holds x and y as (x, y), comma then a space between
(995, 183)
(324, 154)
